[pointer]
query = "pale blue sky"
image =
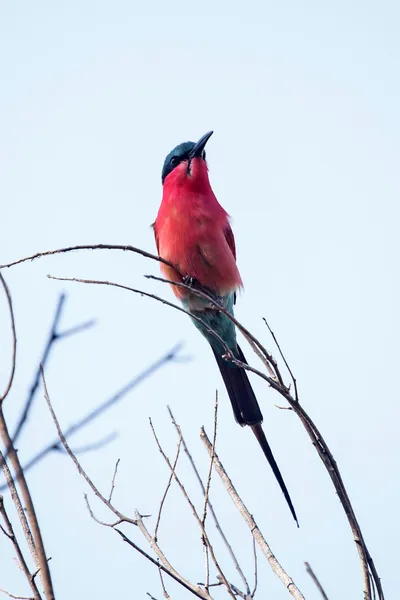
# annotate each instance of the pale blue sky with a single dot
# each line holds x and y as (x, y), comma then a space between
(304, 101)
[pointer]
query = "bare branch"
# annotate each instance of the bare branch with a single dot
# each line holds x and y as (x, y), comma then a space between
(196, 591)
(207, 493)
(147, 295)
(93, 516)
(88, 247)
(170, 356)
(37, 549)
(113, 480)
(166, 595)
(253, 593)
(9, 532)
(296, 394)
(10, 483)
(265, 548)
(171, 476)
(217, 523)
(194, 511)
(316, 580)
(14, 338)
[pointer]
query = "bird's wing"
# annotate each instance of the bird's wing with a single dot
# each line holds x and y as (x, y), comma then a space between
(230, 238)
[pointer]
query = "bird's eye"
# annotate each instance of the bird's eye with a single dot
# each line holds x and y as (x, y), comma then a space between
(174, 161)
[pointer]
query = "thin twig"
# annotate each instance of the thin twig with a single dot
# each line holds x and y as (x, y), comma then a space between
(194, 511)
(153, 297)
(93, 516)
(88, 247)
(171, 476)
(166, 595)
(216, 521)
(163, 559)
(113, 480)
(296, 393)
(253, 593)
(165, 565)
(206, 495)
(169, 571)
(10, 595)
(315, 580)
(265, 548)
(14, 338)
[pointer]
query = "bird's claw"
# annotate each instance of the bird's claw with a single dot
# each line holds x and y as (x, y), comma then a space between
(193, 283)
(190, 281)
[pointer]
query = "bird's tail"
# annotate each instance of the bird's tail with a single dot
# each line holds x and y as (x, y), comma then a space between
(247, 411)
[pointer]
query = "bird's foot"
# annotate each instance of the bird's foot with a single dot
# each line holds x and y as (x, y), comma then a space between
(190, 281)
(193, 283)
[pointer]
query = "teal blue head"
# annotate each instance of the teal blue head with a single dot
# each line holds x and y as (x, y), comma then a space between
(185, 152)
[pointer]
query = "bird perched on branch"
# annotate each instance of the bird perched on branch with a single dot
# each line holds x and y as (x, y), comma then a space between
(193, 233)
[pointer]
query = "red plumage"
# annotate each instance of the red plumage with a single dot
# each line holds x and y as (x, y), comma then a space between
(192, 231)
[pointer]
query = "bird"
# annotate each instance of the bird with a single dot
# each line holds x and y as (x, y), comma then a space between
(194, 236)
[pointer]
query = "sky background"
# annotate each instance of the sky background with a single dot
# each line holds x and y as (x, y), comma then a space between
(304, 102)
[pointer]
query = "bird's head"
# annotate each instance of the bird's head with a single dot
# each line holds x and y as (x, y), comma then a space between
(186, 161)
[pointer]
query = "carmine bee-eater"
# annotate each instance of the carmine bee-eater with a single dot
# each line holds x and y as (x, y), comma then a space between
(192, 232)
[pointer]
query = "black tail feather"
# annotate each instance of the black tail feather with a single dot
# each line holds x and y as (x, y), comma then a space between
(262, 440)
(244, 403)
(247, 412)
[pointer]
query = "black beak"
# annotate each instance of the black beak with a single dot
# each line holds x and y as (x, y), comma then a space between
(199, 147)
